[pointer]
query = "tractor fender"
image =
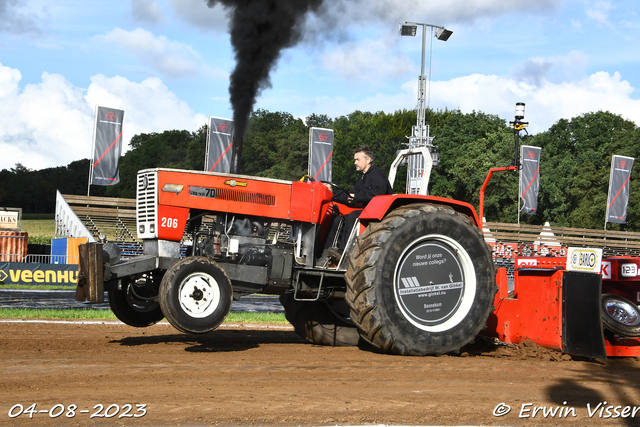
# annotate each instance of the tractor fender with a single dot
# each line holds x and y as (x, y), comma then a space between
(379, 206)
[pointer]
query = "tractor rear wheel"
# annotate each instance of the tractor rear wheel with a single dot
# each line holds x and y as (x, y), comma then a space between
(133, 303)
(195, 295)
(421, 281)
(321, 322)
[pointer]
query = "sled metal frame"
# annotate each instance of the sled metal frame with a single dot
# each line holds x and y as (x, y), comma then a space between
(539, 308)
(313, 272)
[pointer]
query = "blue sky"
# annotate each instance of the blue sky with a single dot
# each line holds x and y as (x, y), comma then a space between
(167, 64)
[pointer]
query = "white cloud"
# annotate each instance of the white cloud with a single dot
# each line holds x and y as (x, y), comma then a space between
(546, 103)
(553, 88)
(368, 60)
(9, 79)
(198, 14)
(301, 105)
(149, 105)
(599, 13)
(339, 14)
(335, 17)
(50, 123)
(171, 58)
(43, 124)
(146, 11)
(17, 18)
(557, 69)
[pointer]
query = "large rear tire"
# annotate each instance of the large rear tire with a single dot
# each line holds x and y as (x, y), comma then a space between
(320, 322)
(195, 295)
(135, 304)
(421, 281)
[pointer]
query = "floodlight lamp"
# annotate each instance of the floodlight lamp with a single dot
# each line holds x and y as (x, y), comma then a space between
(408, 29)
(443, 34)
(519, 110)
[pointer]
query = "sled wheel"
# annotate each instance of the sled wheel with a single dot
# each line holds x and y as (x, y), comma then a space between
(133, 303)
(321, 322)
(421, 281)
(620, 315)
(195, 295)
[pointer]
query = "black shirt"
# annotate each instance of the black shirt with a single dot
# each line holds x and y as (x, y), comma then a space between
(372, 183)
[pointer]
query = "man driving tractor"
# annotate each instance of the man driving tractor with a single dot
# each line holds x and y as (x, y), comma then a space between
(373, 182)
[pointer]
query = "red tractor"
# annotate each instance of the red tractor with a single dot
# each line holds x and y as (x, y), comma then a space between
(416, 278)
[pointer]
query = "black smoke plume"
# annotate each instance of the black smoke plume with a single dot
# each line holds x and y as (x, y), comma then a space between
(260, 29)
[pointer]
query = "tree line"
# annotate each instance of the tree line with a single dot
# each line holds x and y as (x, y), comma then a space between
(574, 169)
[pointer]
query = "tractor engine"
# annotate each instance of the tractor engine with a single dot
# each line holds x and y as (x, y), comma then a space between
(239, 240)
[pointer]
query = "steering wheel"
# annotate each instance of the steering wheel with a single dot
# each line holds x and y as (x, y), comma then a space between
(336, 187)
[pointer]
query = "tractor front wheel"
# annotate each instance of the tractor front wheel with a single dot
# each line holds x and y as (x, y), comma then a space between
(195, 295)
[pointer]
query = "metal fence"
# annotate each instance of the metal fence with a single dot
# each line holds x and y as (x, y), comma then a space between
(11, 258)
(42, 259)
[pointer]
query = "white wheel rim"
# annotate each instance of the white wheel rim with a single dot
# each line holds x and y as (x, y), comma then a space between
(199, 295)
(462, 262)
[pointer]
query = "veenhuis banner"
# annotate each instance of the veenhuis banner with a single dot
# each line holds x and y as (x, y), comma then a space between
(619, 189)
(36, 273)
(107, 146)
(529, 178)
(219, 145)
(320, 153)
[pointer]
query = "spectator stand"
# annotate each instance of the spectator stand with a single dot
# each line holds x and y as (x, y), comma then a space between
(108, 219)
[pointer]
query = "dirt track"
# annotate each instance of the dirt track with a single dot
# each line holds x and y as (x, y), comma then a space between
(259, 376)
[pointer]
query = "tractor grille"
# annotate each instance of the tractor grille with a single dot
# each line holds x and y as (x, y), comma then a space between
(244, 197)
(146, 204)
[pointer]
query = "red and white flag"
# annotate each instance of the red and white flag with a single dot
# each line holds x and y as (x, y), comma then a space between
(529, 178)
(619, 189)
(219, 145)
(320, 154)
(107, 146)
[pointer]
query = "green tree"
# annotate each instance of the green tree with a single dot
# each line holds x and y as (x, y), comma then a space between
(319, 121)
(35, 191)
(469, 146)
(575, 169)
(178, 149)
(384, 133)
(275, 146)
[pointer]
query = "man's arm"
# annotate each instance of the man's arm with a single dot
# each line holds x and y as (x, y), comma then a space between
(342, 197)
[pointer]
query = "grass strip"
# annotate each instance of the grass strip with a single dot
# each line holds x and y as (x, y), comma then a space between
(55, 313)
(246, 317)
(93, 314)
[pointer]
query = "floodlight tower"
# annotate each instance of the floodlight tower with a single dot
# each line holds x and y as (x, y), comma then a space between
(518, 125)
(418, 165)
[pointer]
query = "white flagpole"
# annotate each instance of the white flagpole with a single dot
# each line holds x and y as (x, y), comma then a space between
(93, 147)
